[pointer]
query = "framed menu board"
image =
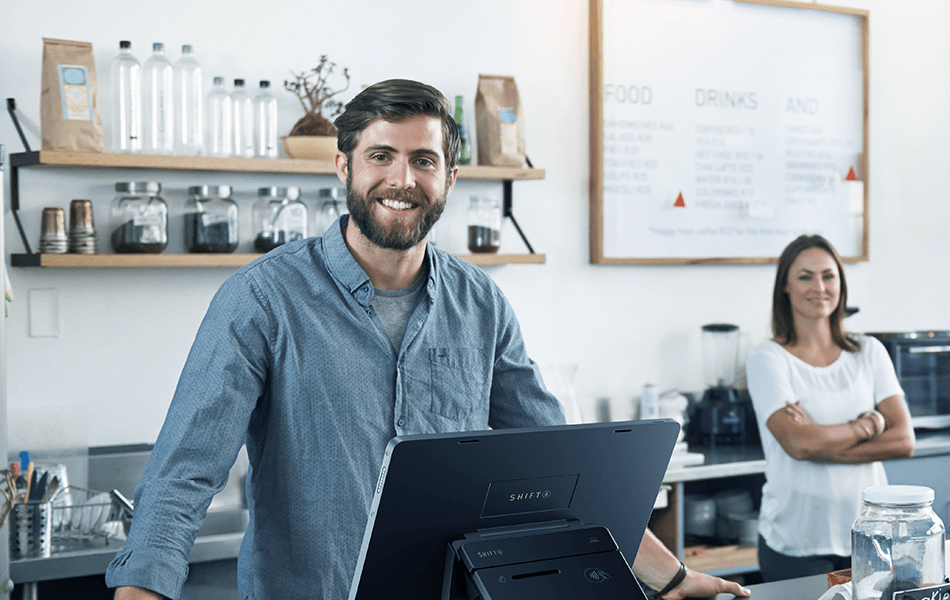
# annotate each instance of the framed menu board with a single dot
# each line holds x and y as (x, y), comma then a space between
(720, 130)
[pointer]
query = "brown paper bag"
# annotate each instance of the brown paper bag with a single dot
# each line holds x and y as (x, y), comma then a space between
(499, 123)
(69, 117)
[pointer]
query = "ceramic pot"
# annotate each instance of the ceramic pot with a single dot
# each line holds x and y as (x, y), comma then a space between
(310, 147)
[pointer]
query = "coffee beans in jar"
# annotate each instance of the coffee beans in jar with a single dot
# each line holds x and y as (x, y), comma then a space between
(484, 225)
(139, 218)
(211, 219)
(279, 217)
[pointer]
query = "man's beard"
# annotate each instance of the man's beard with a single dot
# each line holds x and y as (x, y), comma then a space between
(361, 212)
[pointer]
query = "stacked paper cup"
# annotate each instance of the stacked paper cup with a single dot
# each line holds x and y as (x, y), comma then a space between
(53, 231)
(82, 231)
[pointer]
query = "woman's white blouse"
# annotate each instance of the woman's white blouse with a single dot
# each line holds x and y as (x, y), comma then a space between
(807, 506)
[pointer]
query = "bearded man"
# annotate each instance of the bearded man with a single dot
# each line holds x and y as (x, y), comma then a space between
(317, 354)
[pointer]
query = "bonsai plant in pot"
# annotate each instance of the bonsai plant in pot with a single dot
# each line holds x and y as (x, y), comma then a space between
(314, 136)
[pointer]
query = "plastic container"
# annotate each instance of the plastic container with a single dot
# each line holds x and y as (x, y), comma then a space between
(242, 132)
(126, 80)
(189, 111)
(897, 543)
(220, 121)
(279, 217)
(484, 224)
(211, 219)
(139, 218)
(265, 122)
(157, 103)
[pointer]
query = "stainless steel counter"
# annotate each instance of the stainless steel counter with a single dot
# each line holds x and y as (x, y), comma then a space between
(728, 461)
(219, 538)
(120, 468)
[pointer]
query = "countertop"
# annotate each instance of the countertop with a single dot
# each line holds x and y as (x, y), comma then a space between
(730, 461)
(219, 539)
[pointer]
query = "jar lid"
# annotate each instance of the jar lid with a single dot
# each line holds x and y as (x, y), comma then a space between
(337, 193)
(153, 187)
(210, 191)
(898, 494)
(291, 192)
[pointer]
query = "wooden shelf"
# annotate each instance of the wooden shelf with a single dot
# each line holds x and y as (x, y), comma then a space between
(211, 260)
(248, 165)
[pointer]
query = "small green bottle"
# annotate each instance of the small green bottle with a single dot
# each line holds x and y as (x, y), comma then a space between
(465, 148)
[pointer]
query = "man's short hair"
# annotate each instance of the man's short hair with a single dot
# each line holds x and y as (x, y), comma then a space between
(397, 100)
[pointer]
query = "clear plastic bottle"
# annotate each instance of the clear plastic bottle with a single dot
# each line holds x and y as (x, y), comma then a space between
(279, 217)
(484, 224)
(265, 122)
(211, 219)
(157, 103)
(126, 75)
(242, 134)
(219, 120)
(139, 218)
(189, 104)
(897, 543)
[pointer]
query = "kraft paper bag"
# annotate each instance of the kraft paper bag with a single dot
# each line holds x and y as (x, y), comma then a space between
(499, 122)
(69, 117)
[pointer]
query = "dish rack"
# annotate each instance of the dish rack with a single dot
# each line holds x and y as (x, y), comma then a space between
(80, 514)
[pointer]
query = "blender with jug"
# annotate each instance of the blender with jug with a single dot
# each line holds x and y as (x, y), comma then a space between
(721, 416)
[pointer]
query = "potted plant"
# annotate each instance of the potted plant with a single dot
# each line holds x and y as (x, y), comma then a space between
(314, 136)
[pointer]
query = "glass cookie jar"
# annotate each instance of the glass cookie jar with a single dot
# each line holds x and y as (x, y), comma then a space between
(211, 219)
(279, 217)
(139, 217)
(897, 543)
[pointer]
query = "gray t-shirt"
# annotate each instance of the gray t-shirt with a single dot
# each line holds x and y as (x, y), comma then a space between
(394, 308)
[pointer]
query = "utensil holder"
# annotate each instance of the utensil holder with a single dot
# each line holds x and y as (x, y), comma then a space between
(30, 533)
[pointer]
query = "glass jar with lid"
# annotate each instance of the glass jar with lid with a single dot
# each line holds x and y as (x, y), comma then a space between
(139, 217)
(279, 217)
(211, 219)
(484, 224)
(332, 205)
(897, 543)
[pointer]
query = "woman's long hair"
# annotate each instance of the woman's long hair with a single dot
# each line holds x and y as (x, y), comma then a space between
(783, 326)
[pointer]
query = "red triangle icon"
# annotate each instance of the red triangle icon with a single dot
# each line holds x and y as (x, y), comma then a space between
(679, 201)
(851, 176)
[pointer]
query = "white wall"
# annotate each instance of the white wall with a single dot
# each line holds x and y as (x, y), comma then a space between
(124, 334)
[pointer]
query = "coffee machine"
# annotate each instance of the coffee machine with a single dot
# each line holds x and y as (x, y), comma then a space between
(724, 414)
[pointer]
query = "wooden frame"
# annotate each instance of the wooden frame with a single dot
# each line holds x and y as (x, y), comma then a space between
(857, 190)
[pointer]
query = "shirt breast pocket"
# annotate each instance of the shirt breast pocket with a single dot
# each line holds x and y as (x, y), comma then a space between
(449, 382)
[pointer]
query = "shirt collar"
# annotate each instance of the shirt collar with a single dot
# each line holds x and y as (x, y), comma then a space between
(347, 271)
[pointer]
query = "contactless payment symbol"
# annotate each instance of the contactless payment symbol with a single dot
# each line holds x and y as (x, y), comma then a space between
(595, 575)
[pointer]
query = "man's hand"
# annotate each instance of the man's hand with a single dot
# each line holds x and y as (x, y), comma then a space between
(655, 566)
(134, 593)
(701, 585)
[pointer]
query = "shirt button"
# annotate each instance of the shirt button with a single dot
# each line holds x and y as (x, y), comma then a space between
(401, 422)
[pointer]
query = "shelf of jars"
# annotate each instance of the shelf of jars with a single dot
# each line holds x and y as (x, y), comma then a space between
(97, 160)
(212, 260)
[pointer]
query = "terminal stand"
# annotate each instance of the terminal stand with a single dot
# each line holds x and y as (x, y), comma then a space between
(556, 560)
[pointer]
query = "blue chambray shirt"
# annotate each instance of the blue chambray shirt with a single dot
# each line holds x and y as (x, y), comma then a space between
(292, 361)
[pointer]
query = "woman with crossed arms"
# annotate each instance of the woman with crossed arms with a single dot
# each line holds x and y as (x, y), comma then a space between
(829, 409)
